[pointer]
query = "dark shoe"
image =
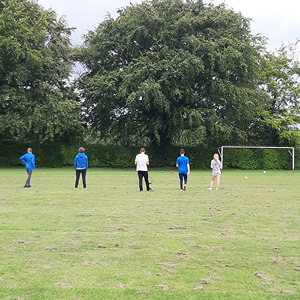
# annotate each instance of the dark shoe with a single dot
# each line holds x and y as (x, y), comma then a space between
(150, 190)
(141, 190)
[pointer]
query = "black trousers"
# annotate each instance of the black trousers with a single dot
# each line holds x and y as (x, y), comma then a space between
(144, 174)
(83, 173)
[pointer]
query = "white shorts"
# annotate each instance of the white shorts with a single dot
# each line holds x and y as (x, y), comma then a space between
(216, 173)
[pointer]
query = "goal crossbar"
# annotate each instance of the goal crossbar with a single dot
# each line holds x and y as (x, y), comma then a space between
(259, 147)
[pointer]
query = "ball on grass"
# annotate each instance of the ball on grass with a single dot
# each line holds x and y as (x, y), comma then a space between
(246, 178)
(150, 182)
(265, 172)
(162, 171)
(172, 172)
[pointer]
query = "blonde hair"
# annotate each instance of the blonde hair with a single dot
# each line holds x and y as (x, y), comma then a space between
(217, 158)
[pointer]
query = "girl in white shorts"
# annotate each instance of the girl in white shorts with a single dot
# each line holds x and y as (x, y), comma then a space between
(216, 171)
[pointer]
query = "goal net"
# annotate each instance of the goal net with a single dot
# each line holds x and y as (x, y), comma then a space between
(291, 151)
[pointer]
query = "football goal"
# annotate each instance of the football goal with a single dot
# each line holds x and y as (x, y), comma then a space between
(291, 150)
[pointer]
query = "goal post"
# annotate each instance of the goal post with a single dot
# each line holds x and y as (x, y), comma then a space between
(292, 153)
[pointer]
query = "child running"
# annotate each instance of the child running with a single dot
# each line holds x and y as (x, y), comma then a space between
(216, 171)
(183, 166)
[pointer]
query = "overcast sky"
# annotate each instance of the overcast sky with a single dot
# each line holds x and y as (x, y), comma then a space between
(277, 20)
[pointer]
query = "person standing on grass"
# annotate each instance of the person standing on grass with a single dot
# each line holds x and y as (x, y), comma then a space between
(142, 163)
(29, 160)
(81, 167)
(216, 171)
(183, 165)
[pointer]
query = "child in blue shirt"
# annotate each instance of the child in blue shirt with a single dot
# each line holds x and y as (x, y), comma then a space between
(183, 166)
(81, 167)
(29, 160)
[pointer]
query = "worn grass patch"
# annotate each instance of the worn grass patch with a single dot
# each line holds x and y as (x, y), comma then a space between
(113, 242)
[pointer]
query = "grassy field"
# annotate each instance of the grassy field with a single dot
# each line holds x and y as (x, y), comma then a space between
(113, 242)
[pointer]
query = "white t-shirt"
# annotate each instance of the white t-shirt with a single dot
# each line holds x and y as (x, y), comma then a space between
(141, 162)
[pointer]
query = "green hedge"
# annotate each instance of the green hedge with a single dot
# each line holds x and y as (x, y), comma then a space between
(57, 155)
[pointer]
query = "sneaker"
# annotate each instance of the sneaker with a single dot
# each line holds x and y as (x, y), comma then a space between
(216, 189)
(141, 190)
(184, 188)
(150, 190)
(209, 189)
(181, 190)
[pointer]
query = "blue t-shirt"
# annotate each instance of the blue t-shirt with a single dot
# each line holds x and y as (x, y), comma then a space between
(182, 162)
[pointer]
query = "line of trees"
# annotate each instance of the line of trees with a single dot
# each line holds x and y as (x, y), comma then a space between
(164, 72)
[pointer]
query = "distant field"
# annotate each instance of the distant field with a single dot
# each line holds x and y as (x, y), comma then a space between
(113, 242)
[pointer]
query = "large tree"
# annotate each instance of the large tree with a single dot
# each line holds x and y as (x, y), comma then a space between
(172, 71)
(280, 79)
(36, 101)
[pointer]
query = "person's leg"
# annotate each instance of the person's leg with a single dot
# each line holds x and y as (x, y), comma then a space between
(83, 172)
(77, 178)
(27, 183)
(218, 181)
(181, 180)
(140, 175)
(146, 180)
(212, 181)
(185, 181)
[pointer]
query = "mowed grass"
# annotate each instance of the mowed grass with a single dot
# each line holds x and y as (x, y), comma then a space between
(113, 242)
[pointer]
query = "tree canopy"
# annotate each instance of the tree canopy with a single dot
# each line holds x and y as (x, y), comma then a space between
(36, 101)
(163, 72)
(170, 71)
(280, 80)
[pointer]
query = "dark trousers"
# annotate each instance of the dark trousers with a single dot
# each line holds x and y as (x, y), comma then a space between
(83, 173)
(144, 174)
(181, 177)
(29, 172)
